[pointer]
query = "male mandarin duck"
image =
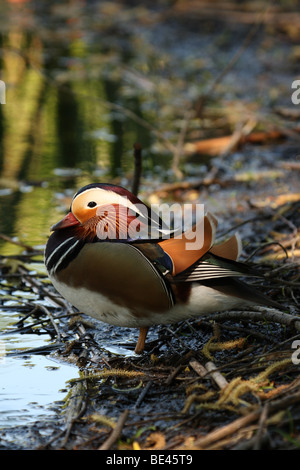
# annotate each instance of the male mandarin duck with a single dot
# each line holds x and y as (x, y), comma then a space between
(109, 271)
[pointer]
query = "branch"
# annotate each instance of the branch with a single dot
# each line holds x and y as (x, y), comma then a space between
(116, 432)
(259, 314)
(137, 168)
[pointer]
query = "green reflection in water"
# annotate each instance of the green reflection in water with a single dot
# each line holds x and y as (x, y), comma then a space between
(44, 127)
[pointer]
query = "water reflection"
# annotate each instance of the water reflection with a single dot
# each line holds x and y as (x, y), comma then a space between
(62, 69)
(30, 389)
(30, 386)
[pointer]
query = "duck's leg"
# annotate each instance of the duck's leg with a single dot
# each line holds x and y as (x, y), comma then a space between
(141, 340)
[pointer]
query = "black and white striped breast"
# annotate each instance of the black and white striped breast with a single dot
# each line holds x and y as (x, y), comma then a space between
(62, 247)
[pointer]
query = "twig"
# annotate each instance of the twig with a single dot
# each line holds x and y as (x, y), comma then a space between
(263, 246)
(137, 168)
(227, 430)
(75, 408)
(173, 374)
(39, 350)
(285, 266)
(47, 294)
(15, 242)
(239, 423)
(143, 394)
(237, 226)
(216, 375)
(180, 143)
(116, 432)
(240, 132)
(50, 316)
(259, 314)
(198, 368)
(209, 370)
(261, 427)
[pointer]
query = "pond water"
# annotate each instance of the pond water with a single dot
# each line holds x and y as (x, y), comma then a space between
(30, 384)
(30, 388)
(84, 81)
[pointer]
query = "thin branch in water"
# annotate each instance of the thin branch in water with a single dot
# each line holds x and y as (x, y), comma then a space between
(50, 316)
(15, 242)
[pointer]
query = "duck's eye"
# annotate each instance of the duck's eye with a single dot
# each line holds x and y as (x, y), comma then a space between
(92, 204)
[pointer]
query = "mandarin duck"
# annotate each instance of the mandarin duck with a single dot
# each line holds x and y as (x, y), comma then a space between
(102, 258)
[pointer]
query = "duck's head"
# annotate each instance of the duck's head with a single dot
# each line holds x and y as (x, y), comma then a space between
(103, 207)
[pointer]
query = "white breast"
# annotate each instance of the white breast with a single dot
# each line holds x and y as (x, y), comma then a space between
(203, 300)
(96, 305)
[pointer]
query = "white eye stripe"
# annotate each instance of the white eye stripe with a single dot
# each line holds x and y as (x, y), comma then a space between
(105, 196)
